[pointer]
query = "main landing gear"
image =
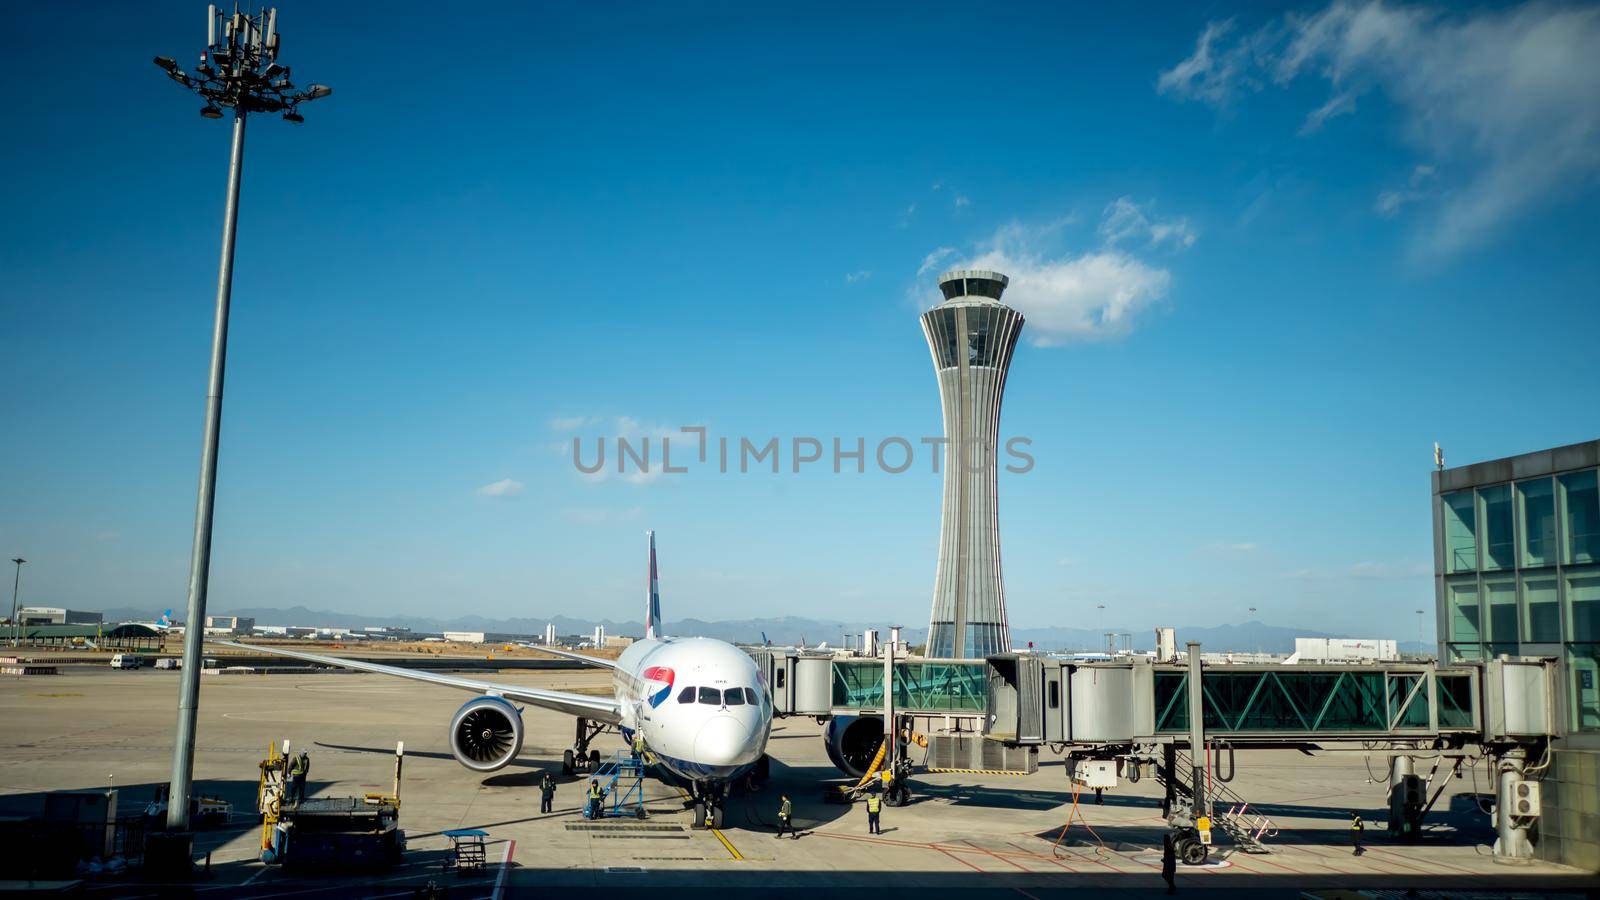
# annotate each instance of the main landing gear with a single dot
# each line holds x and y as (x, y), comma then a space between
(580, 758)
(710, 802)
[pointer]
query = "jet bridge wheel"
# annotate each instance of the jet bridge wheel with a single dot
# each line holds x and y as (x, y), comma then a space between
(1192, 852)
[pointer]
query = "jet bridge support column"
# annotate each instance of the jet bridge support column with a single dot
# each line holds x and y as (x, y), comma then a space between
(1405, 797)
(1512, 844)
(1197, 734)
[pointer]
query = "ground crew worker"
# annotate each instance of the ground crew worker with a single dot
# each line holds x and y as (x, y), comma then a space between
(874, 807)
(638, 744)
(1169, 862)
(1356, 828)
(297, 778)
(547, 793)
(597, 797)
(784, 812)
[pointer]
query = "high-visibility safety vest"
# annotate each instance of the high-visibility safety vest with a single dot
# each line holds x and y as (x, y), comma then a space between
(1356, 825)
(297, 766)
(874, 803)
(596, 792)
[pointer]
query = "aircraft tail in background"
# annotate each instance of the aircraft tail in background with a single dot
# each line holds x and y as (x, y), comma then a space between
(652, 611)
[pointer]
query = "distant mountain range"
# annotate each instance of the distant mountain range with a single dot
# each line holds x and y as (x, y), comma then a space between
(786, 630)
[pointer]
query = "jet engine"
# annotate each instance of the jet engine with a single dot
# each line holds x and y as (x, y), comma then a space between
(486, 734)
(853, 741)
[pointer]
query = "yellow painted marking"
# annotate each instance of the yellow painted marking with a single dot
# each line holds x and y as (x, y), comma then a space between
(732, 850)
(973, 771)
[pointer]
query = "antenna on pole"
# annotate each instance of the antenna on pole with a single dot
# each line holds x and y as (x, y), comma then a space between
(1438, 456)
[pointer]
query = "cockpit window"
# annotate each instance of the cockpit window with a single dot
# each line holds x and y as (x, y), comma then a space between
(733, 697)
(710, 696)
(750, 697)
(686, 695)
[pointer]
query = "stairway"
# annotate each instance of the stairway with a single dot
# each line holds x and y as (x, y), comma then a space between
(623, 778)
(1230, 813)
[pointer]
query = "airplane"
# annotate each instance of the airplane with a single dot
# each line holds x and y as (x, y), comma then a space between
(700, 705)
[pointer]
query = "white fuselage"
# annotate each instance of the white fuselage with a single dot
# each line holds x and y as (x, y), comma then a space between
(700, 704)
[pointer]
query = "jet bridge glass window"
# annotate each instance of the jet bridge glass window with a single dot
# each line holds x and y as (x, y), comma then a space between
(686, 695)
(710, 696)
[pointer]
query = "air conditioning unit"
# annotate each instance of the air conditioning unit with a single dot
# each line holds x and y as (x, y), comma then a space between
(1525, 799)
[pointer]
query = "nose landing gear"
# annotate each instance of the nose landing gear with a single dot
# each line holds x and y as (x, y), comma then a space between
(709, 805)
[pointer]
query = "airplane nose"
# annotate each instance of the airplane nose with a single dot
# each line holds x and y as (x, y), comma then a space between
(723, 741)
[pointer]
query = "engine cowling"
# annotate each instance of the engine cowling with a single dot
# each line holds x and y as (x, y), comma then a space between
(853, 741)
(486, 734)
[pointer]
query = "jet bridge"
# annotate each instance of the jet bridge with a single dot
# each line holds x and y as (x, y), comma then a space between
(1136, 716)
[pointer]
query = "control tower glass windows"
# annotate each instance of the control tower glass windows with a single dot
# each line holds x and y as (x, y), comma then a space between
(946, 334)
(1541, 609)
(980, 331)
(1536, 507)
(1460, 532)
(1494, 505)
(1581, 502)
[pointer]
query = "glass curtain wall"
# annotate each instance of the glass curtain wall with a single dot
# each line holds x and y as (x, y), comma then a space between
(1522, 566)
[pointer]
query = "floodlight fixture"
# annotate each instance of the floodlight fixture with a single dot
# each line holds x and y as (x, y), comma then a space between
(238, 70)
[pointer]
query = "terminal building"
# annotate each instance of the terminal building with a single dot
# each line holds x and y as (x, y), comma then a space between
(971, 336)
(1517, 573)
(55, 615)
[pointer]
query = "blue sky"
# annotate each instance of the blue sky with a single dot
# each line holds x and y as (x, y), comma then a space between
(1267, 257)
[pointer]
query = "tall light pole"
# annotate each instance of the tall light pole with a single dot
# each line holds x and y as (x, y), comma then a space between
(16, 582)
(239, 70)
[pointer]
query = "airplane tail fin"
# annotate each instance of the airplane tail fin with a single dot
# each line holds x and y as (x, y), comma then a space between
(652, 612)
(166, 618)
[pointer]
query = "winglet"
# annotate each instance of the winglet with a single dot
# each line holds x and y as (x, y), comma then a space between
(652, 611)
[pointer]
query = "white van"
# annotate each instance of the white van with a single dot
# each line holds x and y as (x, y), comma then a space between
(127, 661)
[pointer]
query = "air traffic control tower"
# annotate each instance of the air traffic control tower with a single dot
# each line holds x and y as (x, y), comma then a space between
(971, 336)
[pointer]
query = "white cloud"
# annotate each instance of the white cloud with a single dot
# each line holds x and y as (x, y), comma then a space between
(961, 200)
(505, 487)
(1214, 73)
(647, 442)
(1069, 296)
(572, 423)
(1504, 97)
(1125, 220)
(908, 215)
(1391, 200)
(1367, 571)
(932, 260)
(853, 277)
(1241, 547)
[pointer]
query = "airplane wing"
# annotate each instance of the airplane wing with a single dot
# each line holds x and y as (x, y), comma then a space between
(568, 654)
(599, 709)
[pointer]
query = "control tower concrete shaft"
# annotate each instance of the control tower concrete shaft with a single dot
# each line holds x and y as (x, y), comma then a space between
(971, 336)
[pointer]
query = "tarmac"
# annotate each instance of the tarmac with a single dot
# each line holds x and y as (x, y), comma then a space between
(991, 836)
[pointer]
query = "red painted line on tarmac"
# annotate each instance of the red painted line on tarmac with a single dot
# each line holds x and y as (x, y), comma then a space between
(505, 866)
(1040, 856)
(997, 856)
(960, 860)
